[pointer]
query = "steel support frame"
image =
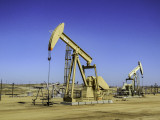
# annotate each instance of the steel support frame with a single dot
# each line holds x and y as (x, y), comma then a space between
(75, 60)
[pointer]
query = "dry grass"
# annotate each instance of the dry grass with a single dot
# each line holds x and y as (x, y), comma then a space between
(147, 108)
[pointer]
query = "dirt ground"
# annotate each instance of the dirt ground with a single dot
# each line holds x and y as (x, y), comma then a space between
(21, 108)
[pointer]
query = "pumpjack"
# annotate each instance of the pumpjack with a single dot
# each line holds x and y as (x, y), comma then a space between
(94, 87)
(133, 88)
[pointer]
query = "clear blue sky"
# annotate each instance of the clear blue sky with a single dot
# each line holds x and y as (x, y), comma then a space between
(115, 33)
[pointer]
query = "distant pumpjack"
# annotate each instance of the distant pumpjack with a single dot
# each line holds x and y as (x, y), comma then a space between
(131, 89)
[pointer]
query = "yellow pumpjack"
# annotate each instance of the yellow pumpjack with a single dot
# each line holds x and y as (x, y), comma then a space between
(95, 87)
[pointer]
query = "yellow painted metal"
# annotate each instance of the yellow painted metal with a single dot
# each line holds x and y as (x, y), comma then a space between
(82, 72)
(93, 89)
(102, 83)
(58, 33)
(55, 36)
(139, 67)
(75, 60)
(75, 47)
(97, 82)
(74, 72)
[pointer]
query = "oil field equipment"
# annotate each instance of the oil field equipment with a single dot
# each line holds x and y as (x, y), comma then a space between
(67, 63)
(95, 88)
(133, 88)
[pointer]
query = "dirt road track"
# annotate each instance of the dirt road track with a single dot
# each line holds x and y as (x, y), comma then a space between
(147, 108)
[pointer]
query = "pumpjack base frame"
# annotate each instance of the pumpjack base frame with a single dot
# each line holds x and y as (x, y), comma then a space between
(88, 102)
